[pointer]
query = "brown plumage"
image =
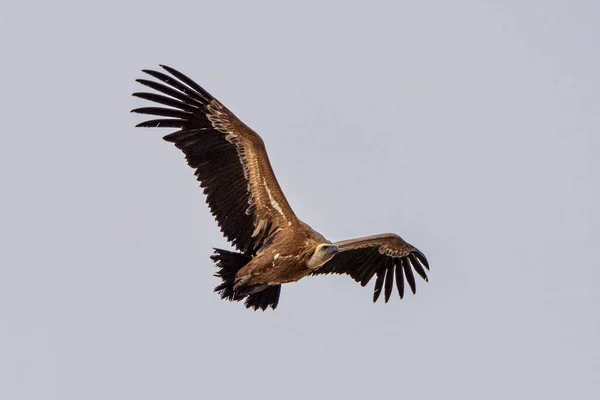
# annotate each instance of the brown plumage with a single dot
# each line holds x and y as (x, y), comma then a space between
(275, 247)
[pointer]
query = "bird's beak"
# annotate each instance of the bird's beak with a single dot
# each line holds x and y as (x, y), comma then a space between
(334, 249)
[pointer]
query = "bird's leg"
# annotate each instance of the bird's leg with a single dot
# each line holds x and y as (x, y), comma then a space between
(243, 287)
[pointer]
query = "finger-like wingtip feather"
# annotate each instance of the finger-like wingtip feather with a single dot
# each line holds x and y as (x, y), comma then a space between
(421, 257)
(417, 266)
(184, 85)
(161, 123)
(378, 285)
(164, 112)
(410, 278)
(389, 280)
(167, 101)
(188, 81)
(399, 278)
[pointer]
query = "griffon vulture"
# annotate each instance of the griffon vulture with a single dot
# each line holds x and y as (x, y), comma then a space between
(274, 245)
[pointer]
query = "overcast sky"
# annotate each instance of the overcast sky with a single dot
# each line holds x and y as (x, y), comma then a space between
(470, 128)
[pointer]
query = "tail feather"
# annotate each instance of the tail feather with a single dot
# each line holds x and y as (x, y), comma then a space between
(229, 263)
(264, 299)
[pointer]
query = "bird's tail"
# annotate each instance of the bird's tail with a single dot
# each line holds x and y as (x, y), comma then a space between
(229, 263)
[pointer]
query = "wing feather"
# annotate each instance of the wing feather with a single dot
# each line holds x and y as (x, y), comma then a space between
(399, 277)
(159, 87)
(161, 123)
(166, 101)
(417, 267)
(230, 159)
(389, 279)
(410, 277)
(386, 255)
(378, 285)
(179, 86)
(165, 112)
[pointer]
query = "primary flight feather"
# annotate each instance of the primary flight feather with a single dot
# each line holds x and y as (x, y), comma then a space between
(274, 246)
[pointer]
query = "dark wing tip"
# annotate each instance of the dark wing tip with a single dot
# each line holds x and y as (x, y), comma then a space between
(378, 285)
(421, 257)
(417, 266)
(170, 70)
(152, 72)
(399, 278)
(161, 123)
(410, 278)
(389, 280)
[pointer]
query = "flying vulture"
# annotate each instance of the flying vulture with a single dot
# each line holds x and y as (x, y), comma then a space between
(273, 245)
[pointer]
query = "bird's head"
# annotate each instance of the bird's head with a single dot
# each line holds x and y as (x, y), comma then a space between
(323, 253)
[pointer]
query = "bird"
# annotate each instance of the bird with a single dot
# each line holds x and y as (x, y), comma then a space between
(272, 246)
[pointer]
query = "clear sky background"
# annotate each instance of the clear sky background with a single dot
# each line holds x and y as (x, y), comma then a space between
(470, 128)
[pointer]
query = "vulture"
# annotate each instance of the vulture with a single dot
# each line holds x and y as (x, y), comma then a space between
(272, 245)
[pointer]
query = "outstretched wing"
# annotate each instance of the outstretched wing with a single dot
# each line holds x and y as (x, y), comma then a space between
(385, 255)
(230, 159)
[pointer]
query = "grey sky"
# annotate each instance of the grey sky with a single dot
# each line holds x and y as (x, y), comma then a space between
(469, 128)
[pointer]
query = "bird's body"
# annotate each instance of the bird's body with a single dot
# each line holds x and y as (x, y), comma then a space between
(275, 246)
(284, 259)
